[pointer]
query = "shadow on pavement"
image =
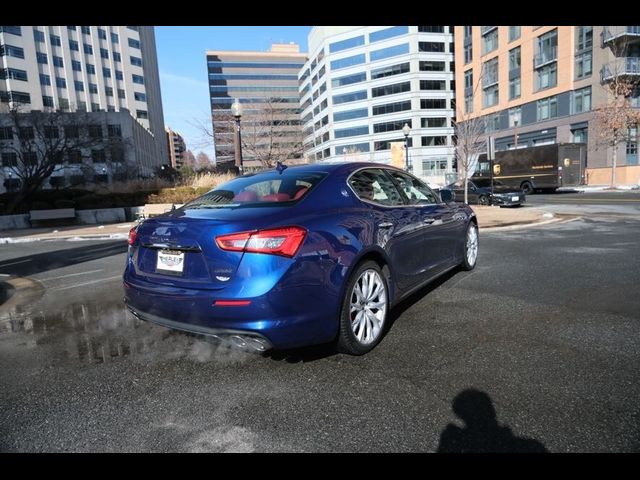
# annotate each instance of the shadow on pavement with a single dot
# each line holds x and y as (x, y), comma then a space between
(42, 262)
(481, 432)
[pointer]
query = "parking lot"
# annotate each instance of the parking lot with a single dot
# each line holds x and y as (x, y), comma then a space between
(544, 333)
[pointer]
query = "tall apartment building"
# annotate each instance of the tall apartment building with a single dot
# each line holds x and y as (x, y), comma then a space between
(110, 73)
(362, 84)
(536, 85)
(266, 84)
(177, 147)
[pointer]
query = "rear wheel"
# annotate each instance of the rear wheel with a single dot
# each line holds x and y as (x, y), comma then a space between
(364, 310)
(527, 188)
(483, 200)
(470, 250)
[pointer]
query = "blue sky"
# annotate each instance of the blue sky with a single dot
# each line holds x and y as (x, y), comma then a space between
(183, 69)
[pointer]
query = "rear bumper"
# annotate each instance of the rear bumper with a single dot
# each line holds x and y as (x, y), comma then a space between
(239, 338)
(285, 317)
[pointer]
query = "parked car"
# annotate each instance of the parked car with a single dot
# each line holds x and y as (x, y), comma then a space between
(298, 256)
(479, 192)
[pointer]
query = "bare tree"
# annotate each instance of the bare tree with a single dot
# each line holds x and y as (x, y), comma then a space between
(36, 144)
(616, 116)
(270, 135)
(203, 162)
(469, 138)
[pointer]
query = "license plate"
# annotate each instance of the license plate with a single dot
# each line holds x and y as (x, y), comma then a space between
(170, 261)
(515, 199)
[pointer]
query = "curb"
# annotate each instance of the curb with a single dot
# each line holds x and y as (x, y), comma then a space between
(529, 225)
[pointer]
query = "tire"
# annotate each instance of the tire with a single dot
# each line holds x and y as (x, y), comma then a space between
(470, 258)
(527, 188)
(483, 200)
(362, 326)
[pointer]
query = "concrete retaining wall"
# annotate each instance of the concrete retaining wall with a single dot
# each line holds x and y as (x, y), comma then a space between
(9, 222)
(102, 215)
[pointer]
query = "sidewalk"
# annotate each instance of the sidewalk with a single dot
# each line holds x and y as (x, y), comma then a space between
(488, 217)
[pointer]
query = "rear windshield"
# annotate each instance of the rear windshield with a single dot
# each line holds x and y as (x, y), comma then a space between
(261, 189)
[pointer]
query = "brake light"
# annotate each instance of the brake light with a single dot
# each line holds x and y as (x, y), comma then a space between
(133, 235)
(275, 241)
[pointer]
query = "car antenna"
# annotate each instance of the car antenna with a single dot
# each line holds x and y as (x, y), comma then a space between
(280, 167)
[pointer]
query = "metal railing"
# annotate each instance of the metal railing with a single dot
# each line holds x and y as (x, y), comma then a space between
(610, 33)
(622, 66)
(545, 56)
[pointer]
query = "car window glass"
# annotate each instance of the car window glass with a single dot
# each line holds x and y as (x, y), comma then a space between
(374, 186)
(416, 191)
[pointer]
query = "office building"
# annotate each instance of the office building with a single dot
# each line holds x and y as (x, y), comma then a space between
(535, 85)
(107, 73)
(177, 147)
(362, 84)
(266, 85)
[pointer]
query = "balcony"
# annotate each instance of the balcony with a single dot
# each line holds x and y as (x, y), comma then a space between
(485, 30)
(489, 79)
(626, 66)
(545, 56)
(615, 34)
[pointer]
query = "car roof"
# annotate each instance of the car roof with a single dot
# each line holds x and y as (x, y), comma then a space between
(333, 166)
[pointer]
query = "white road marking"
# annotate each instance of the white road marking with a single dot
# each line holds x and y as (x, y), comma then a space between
(70, 275)
(86, 283)
(15, 263)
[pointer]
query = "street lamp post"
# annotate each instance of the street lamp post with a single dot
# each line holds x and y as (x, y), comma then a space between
(406, 130)
(236, 110)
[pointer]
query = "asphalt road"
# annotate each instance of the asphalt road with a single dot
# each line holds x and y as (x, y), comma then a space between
(543, 337)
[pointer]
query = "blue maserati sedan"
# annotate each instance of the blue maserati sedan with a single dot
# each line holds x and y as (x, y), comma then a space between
(297, 256)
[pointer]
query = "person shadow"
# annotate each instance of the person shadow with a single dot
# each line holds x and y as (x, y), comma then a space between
(482, 433)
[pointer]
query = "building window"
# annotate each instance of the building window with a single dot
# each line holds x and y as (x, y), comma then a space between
(490, 96)
(389, 52)
(433, 103)
(388, 33)
(64, 104)
(102, 34)
(61, 82)
(114, 131)
(547, 108)
(6, 133)
(391, 126)
(117, 57)
(431, 29)
(108, 91)
(73, 45)
(353, 148)
(515, 116)
(514, 60)
(433, 122)
(106, 72)
(390, 89)
(93, 88)
(139, 79)
(580, 135)
(140, 97)
(119, 75)
(584, 51)
(13, 74)
(490, 41)
(121, 93)
(11, 51)
(14, 30)
(514, 88)
(437, 47)
(431, 66)
(115, 38)
(58, 62)
(9, 159)
(348, 80)
(547, 76)
(42, 58)
(348, 61)
(88, 49)
(136, 61)
(386, 144)
(390, 71)
(345, 44)
(514, 33)
(349, 97)
(351, 132)
(76, 66)
(55, 40)
(468, 91)
(392, 107)
(433, 85)
(98, 156)
(546, 49)
(350, 114)
(38, 36)
(581, 100)
(142, 114)
(104, 53)
(86, 29)
(468, 53)
(134, 43)
(91, 69)
(434, 141)
(95, 131)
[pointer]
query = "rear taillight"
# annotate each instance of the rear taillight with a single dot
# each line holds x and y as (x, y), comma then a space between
(276, 241)
(133, 234)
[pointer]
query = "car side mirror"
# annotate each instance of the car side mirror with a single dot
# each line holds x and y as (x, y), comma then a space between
(446, 196)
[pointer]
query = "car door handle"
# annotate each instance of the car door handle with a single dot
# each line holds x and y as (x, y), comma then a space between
(385, 225)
